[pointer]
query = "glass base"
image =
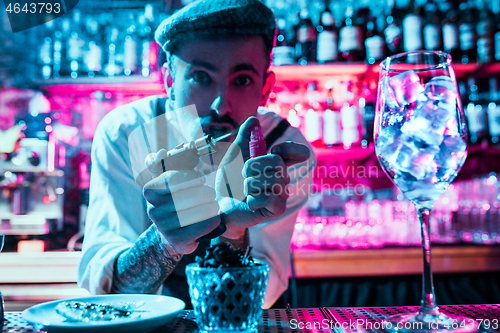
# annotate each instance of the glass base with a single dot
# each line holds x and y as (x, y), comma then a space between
(420, 322)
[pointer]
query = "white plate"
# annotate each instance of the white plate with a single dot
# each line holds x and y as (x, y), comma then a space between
(157, 311)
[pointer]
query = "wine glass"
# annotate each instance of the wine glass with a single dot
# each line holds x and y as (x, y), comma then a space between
(421, 143)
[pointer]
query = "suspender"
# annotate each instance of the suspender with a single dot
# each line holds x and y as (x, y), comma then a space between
(161, 138)
(276, 133)
(160, 106)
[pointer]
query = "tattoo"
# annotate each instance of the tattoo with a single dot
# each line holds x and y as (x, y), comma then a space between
(240, 243)
(145, 266)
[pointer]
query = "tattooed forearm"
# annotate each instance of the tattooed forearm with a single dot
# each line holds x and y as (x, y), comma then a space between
(240, 243)
(144, 267)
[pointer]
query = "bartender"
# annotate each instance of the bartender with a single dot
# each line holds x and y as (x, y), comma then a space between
(143, 225)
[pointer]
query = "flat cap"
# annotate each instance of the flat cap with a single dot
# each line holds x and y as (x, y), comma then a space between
(205, 18)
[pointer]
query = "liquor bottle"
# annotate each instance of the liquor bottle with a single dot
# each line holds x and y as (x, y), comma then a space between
(305, 48)
(484, 30)
(467, 33)
(450, 31)
(349, 119)
(331, 128)
(75, 44)
(313, 126)
(350, 43)
(367, 101)
(393, 32)
(130, 48)
(476, 114)
(412, 28)
(64, 36)
(462, 91)
(374, 42)
(494, 112)
(147, 46)
(495, 8)
(283, 54)
(113, 67)
(45, 52)
(57, 55)
(93, 55)
(312, 118)
(360, 19)
(328, 37)
(432, 28)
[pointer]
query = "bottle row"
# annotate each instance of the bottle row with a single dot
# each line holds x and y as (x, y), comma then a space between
(348, 31)
(342, 112)
(98, 45)
(468, 212)
(326, 31)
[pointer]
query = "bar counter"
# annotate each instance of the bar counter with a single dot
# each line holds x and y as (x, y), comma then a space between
(348, 320)
(32, 278)
(61, 267)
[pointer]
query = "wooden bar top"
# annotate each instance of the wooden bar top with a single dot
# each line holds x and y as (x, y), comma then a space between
(61, 267)
(311, 263)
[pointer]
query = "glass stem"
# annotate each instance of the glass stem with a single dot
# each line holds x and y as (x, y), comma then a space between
(428, 304)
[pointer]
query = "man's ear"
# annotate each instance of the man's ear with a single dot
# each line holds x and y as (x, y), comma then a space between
(168, 78)
(268, 87)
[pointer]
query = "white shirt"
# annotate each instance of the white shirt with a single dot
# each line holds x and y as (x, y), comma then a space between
(117, 209)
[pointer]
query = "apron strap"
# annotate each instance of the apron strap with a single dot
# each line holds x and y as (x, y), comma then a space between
(276, 132)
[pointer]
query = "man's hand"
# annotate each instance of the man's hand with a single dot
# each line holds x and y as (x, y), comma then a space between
(250, 191)
(179, 203)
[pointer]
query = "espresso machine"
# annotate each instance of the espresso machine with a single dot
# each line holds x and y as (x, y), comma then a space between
(31, 180)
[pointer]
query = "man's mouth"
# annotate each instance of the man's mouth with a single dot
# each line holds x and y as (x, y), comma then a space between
(218, 130)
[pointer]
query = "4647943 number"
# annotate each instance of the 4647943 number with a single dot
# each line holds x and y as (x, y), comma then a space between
(34, 7)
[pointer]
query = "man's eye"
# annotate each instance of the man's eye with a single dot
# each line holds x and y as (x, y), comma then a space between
(201, 77)
(243, 80)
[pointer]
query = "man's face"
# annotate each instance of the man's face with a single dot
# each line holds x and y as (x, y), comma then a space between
(224, 78)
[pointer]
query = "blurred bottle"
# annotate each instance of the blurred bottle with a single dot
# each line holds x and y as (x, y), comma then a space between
(451, 41)
(467, 30)
(350, 43)
(494, 112)
(331, 128)
(495, 9)
(367, 101)
(93, 55)
(313, 127)
(349, 119)
(130, 48)
(283, 53)
(374, 42)
(45, 52)
(412, 28)
(331, 120)
(63, 36)
(149, 55)
(113, 67)
(484, 30)
(294, 119)
(476, 114)
(328, 37)
(75, 44)
(432, 28)
(305, 48)
(57, 55)
(393, 32)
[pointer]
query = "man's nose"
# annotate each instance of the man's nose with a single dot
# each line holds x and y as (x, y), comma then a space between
(221, 104)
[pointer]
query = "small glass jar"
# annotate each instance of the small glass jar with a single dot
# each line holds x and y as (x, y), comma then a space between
(227, 299)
